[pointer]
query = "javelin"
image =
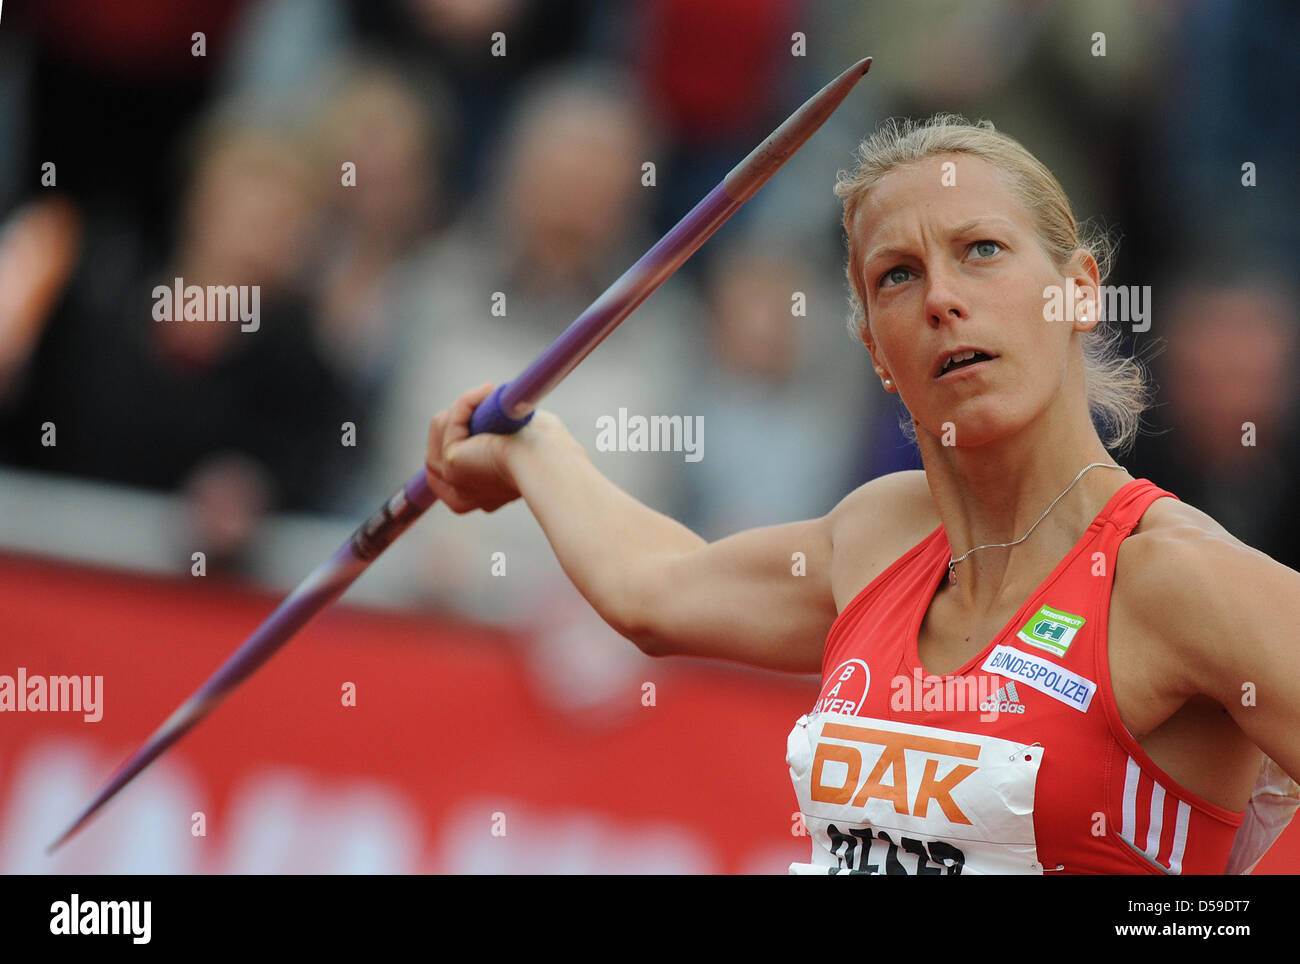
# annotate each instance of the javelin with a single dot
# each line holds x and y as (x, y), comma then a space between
(505, 411)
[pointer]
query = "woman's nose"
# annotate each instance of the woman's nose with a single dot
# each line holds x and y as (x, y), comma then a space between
(943, 303)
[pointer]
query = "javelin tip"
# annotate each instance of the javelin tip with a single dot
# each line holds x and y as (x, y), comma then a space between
(749, 175)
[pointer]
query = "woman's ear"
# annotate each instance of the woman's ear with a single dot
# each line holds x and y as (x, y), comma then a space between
(865, 334)
(1083, 275)
(886, 380)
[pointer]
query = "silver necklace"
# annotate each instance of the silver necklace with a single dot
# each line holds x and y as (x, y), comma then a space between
(952, 575)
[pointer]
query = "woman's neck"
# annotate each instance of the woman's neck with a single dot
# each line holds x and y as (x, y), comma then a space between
(995, 492)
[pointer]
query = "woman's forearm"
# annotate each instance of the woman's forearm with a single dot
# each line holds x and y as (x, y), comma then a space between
(604, 538)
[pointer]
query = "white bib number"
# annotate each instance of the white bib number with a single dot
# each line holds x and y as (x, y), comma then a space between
(881, 797)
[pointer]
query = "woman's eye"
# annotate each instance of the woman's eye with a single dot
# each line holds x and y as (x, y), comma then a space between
(895, 276)
(986, 249)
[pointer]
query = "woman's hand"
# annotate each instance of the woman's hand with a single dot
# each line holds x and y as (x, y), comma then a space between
(470, 472)
(479, 472)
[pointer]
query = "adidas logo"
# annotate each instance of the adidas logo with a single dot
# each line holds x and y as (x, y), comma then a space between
(1005, 700)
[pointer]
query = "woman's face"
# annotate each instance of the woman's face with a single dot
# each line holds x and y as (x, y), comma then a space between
(950, 260)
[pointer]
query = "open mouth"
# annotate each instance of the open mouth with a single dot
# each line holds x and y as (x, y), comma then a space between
(961, 360)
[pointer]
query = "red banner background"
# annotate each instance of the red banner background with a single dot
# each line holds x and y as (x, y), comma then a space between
(450, 761)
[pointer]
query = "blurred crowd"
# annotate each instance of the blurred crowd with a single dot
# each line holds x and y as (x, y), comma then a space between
(427, 192)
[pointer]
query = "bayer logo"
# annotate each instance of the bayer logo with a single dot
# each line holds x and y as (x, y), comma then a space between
(845, 689)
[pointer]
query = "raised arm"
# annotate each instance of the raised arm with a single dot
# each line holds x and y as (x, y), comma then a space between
(760, 597)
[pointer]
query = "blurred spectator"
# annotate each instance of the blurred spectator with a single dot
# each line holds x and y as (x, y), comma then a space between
(458, 38)
(714, 75)
(379, 157)
(39, 246)
(280, 49)
(566, 218)
(1225, 106)
(786, 395)
(1231, 357)
(113, 88)
(235, 413)
(564, 222)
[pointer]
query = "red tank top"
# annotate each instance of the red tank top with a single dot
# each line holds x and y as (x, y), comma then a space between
(1016, 763)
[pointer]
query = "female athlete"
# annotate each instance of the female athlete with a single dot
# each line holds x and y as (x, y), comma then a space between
(1031, 661)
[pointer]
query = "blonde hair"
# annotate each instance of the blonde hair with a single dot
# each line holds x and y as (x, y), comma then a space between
(1117, 387)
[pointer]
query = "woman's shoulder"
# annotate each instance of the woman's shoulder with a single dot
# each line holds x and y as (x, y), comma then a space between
(1173, 544)
(1171, 526)
(874, 525)
(899, 501)
(1180, 570)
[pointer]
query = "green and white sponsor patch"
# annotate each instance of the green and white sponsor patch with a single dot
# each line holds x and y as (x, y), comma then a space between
(1051, 629)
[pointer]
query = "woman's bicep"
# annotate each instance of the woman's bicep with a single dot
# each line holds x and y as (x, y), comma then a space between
(760, 597)
(765, 596)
